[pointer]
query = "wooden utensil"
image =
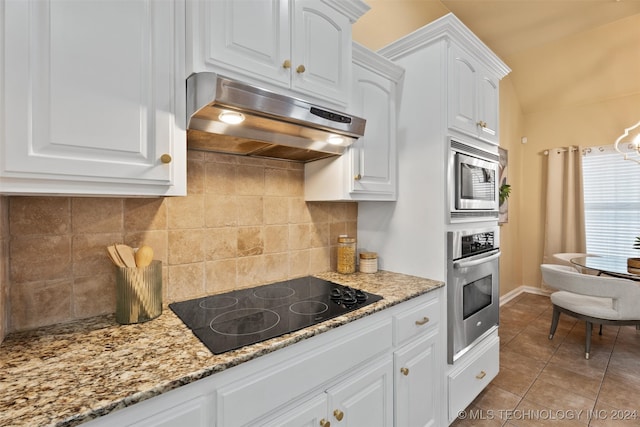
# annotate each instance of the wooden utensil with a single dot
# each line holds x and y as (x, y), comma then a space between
(144, 256)
(113, 255)
(127, 255)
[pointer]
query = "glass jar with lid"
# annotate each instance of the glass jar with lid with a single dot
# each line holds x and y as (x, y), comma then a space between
(346, 254)
(368, 262)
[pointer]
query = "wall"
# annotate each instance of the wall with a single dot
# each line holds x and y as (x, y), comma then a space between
(243, 223)
(511, 132)
(388, 21)
(603, 56)
(599, 123)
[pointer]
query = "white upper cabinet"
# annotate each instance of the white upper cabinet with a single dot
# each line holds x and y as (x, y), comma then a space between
(298, 45)
(368, 169)
(93, 98)
(473, 97)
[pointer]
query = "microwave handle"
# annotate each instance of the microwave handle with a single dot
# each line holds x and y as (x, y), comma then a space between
(465, 264)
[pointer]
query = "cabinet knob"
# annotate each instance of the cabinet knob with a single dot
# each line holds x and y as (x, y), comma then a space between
(338, 414)
(482, 124)
(357, 177)
(405, 371)
(324, 423)
(481, 375)
(422, 321)
(286, 64)
(166, 158)
(300, 69)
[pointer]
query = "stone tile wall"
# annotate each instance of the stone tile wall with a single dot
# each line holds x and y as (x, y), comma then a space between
(243, 223)
(4, 266)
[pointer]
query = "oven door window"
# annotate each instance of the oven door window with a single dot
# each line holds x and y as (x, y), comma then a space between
(476, 296)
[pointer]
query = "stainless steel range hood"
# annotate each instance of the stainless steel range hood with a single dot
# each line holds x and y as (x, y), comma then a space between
(274, 126)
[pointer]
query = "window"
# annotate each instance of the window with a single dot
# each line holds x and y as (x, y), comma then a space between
(611, 202)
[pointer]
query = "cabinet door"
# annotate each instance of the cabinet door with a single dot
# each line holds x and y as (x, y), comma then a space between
(365, 399)
(472, 373)
(249, 37)
(194, 413)
(173, 409)
(473, 97)
(488, 111)
(373, 157)
(94, 99)
(463, 102)
(417, 381)
(312, 413)
(321, 51)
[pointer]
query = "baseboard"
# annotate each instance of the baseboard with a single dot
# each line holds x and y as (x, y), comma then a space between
(520, 290)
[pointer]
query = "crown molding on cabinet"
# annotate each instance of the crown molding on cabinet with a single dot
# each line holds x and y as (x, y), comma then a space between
(351, 9)
(447, 27)
(376, 62)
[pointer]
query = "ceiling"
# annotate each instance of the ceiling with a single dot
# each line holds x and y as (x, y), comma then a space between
(521, 30)
(511, 26)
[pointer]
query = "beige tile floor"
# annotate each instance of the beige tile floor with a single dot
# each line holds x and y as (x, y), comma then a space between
(546, 382)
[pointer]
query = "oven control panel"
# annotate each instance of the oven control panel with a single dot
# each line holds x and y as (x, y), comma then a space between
(466, 243)
(477, 243)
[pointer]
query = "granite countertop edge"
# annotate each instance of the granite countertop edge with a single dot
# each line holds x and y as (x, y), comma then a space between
(38, 367)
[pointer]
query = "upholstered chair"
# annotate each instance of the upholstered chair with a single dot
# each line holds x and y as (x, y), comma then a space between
(594, 299)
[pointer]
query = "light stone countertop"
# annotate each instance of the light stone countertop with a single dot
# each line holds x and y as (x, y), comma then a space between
(67, 374)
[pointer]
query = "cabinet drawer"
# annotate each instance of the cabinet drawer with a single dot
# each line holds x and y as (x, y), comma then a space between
(473, 375)
(417, 320)
(255, 396)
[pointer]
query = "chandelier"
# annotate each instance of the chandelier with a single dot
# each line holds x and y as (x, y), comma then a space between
(628, 144)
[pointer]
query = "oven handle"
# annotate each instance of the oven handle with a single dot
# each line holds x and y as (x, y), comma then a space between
(473, 263)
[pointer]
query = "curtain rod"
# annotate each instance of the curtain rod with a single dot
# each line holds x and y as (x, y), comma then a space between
(585, 151)
(563, 150)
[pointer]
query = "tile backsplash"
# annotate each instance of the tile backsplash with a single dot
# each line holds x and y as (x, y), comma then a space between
(244, 222)
(4, 265)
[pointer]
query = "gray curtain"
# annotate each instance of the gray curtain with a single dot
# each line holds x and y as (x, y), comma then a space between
(564, 220)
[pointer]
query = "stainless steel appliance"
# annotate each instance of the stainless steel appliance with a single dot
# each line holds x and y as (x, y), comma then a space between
(473, 299)
(235, 319)
(473, 182)
(233, 117)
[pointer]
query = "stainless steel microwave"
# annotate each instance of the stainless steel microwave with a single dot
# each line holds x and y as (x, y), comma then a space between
(473, 182)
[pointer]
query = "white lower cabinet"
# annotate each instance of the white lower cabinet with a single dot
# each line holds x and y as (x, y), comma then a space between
(418, 363)
(382, 370)
(193, 413)
(363, 399)
(472, 373)
(190, 405)
(291, 373)
(417, 400)
(312, 413)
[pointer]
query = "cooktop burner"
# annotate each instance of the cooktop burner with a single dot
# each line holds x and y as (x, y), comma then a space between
(235, 319)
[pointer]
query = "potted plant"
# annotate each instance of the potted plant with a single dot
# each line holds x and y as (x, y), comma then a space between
(503, 194)
(634, 263)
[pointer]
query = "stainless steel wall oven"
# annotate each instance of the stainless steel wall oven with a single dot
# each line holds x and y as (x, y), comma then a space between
(472, 288)
(473, 182)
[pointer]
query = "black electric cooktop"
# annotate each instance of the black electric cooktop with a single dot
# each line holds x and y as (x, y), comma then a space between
(235, 319)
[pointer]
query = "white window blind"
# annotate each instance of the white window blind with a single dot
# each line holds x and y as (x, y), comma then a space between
(611, 203)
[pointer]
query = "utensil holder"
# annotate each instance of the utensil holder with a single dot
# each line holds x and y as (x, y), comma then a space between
(138, 293)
